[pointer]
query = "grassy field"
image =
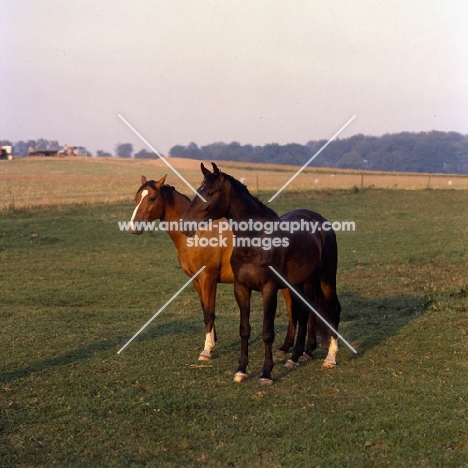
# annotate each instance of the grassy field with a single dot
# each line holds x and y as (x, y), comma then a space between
(74, 289)
(27, 182)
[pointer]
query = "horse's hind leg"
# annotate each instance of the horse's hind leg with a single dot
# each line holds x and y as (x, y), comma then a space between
(311, 336)
(333, 310)
(291, 333)
(332, 307)
(270, 299)
(300, 314)
(315, 299)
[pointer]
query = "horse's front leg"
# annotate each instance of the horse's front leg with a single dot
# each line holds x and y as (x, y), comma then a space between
(243, 301)
(269, 295)
(206, 289)
(330, 360)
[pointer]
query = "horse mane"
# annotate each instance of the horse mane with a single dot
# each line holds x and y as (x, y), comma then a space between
(247, 197)
(166, 191)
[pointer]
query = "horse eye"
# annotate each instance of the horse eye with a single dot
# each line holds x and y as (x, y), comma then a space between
(210, 193)
(152, 199)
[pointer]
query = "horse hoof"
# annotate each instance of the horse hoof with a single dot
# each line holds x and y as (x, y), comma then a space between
(265, 381)
(204, 356)
(329, 364)
(305, 357)
(240, 377)
(290, 364)
(280, 353)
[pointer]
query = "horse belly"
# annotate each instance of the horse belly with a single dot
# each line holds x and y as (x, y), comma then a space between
(302, 259)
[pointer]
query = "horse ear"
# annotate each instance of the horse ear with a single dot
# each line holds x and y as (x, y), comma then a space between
(161, 182)
(143, 180)
(215, 169)
(204, 170)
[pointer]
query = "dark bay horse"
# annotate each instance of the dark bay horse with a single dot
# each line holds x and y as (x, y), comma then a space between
(307, 261)
(156, 200)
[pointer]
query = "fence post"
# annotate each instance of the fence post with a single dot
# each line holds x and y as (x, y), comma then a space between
(428, 181)
(362, 181)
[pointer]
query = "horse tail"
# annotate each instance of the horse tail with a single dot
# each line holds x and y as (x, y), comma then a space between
(327, 296)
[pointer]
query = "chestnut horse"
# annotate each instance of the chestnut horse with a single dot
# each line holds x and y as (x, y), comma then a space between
(156, 200)
(306, 260)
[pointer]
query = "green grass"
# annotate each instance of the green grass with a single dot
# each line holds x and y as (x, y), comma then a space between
(75, 293)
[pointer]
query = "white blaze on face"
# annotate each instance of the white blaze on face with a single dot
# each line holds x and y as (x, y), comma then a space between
(143, 195)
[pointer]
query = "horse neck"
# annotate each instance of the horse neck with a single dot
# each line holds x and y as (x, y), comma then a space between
(245, 207)
(174, 213)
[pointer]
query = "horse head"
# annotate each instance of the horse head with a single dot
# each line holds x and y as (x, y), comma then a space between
(215, 190)
(150, 203)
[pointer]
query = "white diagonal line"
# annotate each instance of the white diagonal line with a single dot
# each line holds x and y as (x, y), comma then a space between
(311, 308)
(312, 158)
(160, 157)
(161, 309)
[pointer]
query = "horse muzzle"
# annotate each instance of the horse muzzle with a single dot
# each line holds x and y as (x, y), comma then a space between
(135, 230)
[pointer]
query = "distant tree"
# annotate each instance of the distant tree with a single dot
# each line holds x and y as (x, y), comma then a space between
(177, 151)
(294, 154)
(145, 154)
(460, 150)
(416, 152)
(193, 151)
(214, 151)
(235, 152)
(124, 150)
(314, 147)
(102, 153)
(351, 160)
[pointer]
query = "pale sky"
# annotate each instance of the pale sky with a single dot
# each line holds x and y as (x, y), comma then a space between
(251, 71)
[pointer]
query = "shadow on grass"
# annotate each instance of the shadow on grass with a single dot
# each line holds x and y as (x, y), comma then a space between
(174, 327)
(365, 323)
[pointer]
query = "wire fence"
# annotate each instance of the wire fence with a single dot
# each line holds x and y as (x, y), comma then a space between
(60, 183)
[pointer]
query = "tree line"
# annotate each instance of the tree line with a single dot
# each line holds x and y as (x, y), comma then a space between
(432, 152)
